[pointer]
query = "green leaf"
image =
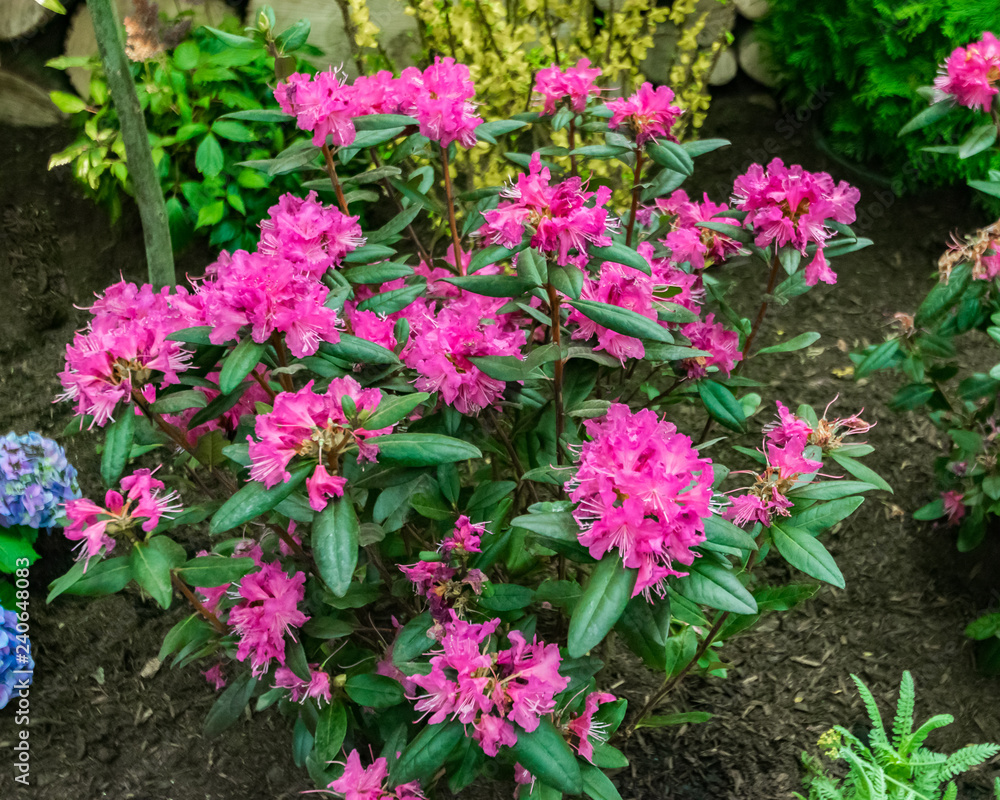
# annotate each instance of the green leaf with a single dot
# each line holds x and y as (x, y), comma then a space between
(358, 351)
(882, 356)
(804, 552)
(208, 159)
(602, 151)
(422, 757)
(260, 115)
(603, 602)
(620, 254)
(506, 597)
(180, 401)
(715, 586)
(151, 564)
(980, 138)
(293, 37)
(240, 363)
(105, 577)
(597, 785)
(985, 627)
(933, 510)
(622, 320)
(392, 409)
(67, 103)
(335, 544)
(230, 705)
(943, 296)
(645, 628)
(118, 438)
(233, 131)
(331, 728)
(672, 156)
(545, 754)
(488, 131)
(860, 471)
(825, 515)
(830, 490)
(735, 232)
(52, 5)
(214, 570)
(491, 255)
(702, 146)
(799, 342)
(991, 188)
(327, 628)
(239, 42)
(377, 273)
(254, 499)
(927, 117)
(492, 285)
(721, 531)
(424, 449)
(374, 691)
(395, 225)
(721, 404)
(392, 301)
(682, 718)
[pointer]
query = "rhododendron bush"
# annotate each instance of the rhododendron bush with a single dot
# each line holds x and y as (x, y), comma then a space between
(963, 304)
(409, 491)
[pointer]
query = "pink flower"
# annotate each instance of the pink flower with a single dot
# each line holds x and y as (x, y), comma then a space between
(312, 425)
(575, 84)
(322, 103)
(125, 349)
(648, 113)
(712, 337)
(789, 206)
(563, 221)
(971, 74)
(789, 427)
(269, 294)
(464, 538)
(316, 687)
(701, 247)
(643, 491)
(308, 234)
(583, 727)
(954, 508)
(267, 611)
(142, 505)
(368, 783)
(490, 691)
(442, 342)
(442, 104)
(215, 677)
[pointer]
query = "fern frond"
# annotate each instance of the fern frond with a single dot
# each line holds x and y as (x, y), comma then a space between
(996, 788)
(902, 725)
(863, 773)
(969, 756)
(878, 728)
(913, 742)
(951, 793)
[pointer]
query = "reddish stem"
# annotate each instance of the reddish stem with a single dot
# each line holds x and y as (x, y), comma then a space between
(558, 382)
(636, 176)
(331, 170)
(197, 605)
(456, 242)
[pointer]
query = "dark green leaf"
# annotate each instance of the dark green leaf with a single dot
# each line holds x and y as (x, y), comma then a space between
(620, 254)
(424, 449)
(545, 754)
(980, 138)
(603, 602)
(803, 551)
(208, 159)
(392, 301)
(151, 565)
(488, 131)
(105, 577)
(860, 471)
(358, 351)
(240, 363)
(374, 691)
(392, 409)
(214, 570)
(799, 342)
(493, 254)
(422, 757)
(927, 117)
(180, 401)
(254, 499)
(672, 156)
(721, 405)
(335, 544)
(622, 320)
(492, 285)
(230, 705)
(118, 439)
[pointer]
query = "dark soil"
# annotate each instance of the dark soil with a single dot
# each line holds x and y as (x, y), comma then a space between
(107, 721)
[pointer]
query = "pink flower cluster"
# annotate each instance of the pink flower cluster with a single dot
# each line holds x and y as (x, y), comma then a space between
(317, 686)
(440, 98)
(648, 113)
(123, 346)
(92, 526)
(310, 235)
(492, 691)
(625, 287)
(790, 206)
(971, 75)
(437, 581)
(701, 247)
(563, 218)
(444, 339)
(642, 490)
(316, 426)
(268, 609)
(954, 507)
(712, 337)
(575, 84)
(787, 465)
(369, 783)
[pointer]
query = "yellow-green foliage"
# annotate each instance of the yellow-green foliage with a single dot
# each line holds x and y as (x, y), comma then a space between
(505, 42)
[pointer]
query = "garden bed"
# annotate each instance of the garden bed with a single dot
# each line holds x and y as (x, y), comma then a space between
(108, 721)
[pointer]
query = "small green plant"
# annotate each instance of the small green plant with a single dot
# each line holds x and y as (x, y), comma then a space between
(864, 60)
(190, 94)
(894, 765)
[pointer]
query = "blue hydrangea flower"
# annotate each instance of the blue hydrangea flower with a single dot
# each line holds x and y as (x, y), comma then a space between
(15, 675)
(35, 481)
